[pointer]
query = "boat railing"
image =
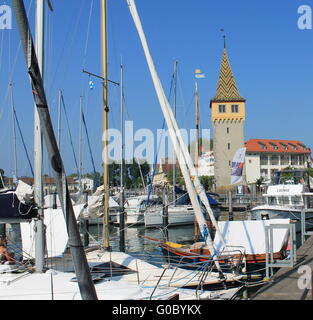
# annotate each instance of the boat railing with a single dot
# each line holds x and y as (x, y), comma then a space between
(233, 256)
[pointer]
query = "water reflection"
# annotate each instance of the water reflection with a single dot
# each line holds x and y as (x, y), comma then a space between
(137, 244)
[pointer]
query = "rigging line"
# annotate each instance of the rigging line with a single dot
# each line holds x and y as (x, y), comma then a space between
(23, 141)
(13, 68)
(69, 40)
(90, 151)
(69, 131)
(86, 43)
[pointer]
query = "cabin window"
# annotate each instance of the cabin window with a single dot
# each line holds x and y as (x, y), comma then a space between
(272, 200)
(284, 200)
(296, 200)
(222, 108)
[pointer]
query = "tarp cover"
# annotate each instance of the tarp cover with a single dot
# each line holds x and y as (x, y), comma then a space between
(95, 204)
(251, 235)
(56, 233)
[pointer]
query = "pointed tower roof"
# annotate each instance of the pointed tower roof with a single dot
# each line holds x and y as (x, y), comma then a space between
(227, 89)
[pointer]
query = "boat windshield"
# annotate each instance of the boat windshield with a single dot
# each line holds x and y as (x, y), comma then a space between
(296, 200)
(291, 177)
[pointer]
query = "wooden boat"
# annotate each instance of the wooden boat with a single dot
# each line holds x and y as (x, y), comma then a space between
(243, 244)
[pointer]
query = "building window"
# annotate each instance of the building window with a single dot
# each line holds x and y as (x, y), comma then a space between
(264, 160)
(227, 130)
(284, 160)
(294, 160)
(235, 108)
(228, 146)
(274, 146)
(293, 146)
(222, 108)
(263, 146)
(274, 160)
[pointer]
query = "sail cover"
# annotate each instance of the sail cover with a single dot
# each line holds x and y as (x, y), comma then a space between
(17, 206)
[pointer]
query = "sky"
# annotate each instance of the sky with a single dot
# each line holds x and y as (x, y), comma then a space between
(271, 58)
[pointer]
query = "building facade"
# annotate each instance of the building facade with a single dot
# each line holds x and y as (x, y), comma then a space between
(228, 116)
(266, 156)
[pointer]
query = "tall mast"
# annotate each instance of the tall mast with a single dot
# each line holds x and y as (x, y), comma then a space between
(122, 196)
(81, 146)
(122, 124)
(59, 119)
(82, 270)
(38, 145)
(105, 124)
(175, 113)
(197, 128)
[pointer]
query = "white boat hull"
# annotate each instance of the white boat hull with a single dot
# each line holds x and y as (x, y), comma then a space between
(177, 216)
(276, 212)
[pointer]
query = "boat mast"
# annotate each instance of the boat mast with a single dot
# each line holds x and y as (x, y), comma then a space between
(106, 239)
(38, 146)
(59, 119)
(122, 195)
(82, 270)
(81, 147)
(194, 186)
(175, 113)
(197, 127)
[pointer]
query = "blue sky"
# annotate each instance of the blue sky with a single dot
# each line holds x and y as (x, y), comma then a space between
(270, 56)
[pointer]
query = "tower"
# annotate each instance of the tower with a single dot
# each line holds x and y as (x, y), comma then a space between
(228, 118)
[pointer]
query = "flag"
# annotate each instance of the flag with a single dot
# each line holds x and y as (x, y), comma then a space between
(91, 85)
(237, 166)
(199, 74)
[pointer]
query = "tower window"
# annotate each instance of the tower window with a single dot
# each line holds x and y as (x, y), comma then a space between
(227, 130)
(235, 108)
(222, 108)
(229, 146)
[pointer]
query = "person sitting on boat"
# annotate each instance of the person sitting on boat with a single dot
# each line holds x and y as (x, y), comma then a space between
(5, 256)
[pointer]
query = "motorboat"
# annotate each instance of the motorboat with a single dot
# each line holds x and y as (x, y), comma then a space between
(288, 197)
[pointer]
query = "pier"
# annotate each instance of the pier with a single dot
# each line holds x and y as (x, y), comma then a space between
(289, 283)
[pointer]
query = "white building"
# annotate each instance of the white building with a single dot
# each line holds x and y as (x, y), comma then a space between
(206, 164)
(266, 156)
(88, 184)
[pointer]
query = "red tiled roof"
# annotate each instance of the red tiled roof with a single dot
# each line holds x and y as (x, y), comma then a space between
(279, 146)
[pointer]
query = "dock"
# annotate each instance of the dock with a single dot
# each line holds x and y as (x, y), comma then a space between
(287, 283)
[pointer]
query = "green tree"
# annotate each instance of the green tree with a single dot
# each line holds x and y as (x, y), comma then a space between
(207, 182)
(179, 177)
